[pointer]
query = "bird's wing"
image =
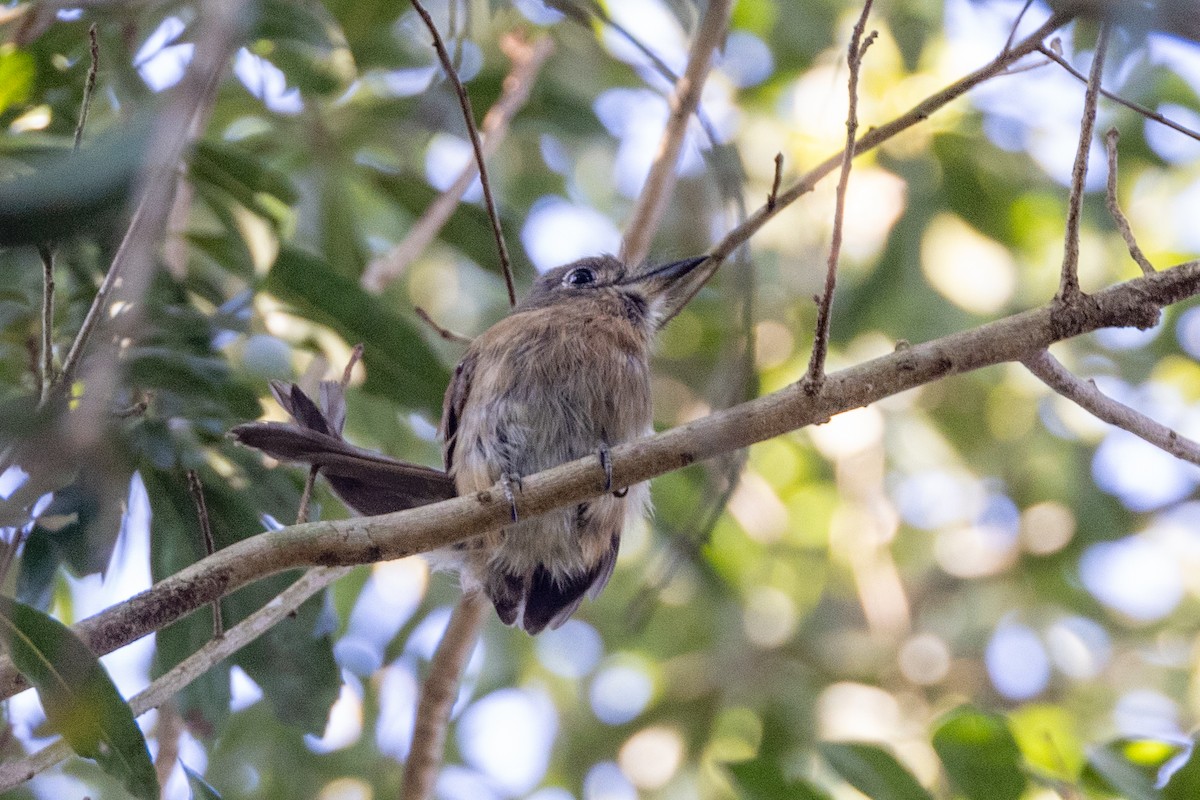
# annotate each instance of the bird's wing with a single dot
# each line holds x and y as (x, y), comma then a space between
(452, 407)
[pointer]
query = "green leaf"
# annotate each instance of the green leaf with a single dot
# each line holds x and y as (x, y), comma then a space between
(80, 699)
(873, 771)
(200, 788)
(1130, 767)
(67, 193)
(980, 755)
(1184, 783)
(399, 363)
(17, 73)
(762, 779)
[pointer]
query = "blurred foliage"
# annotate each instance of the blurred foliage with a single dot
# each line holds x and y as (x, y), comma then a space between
(958, 593)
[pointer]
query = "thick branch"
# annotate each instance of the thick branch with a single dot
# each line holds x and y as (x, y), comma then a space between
(1135, 303)
(652, 202)
(1089, 398)
(438, 695)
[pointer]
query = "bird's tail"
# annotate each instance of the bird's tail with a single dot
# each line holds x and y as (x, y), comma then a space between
(370, 483)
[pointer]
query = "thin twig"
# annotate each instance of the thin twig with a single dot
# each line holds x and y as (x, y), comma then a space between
(1085, 395)
(46, 356)
(773, 197)
(527, 60)
(1068, 287)
(1116, 98)
(438, 695)
(858, 48)
(446, 334)
(1012, 34)
(13, 774)
(1114, 205)
(685, 97)
(469, 118)
(873, 138)
(89, 85)
(196, 489)
(167, 732)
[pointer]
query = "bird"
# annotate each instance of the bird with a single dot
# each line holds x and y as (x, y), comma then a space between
(565, 375)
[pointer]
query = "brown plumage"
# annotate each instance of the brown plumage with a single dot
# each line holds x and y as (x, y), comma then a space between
(565, 375)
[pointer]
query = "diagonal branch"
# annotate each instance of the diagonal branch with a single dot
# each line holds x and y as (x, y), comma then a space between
(1085, 395)
(1116, 98)
(1068, 287)
(527, 61)
(652, 202)
(868, 141)
(473, 132)
(1134, 303)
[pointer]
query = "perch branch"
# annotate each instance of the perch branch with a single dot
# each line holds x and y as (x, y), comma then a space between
(476, 145)
(438, 694)
(1114, 205)
(1068, 287)
(527, 61)
(1085, 395)
(1135, 303)
(685, 97)
(858, 48)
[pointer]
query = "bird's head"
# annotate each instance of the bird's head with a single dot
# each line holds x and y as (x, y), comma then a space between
(641, 294)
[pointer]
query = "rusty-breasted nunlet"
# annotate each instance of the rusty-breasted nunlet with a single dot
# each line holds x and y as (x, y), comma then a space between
(565, 375)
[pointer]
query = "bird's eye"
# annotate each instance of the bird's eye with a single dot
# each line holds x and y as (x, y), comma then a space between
(579, 277)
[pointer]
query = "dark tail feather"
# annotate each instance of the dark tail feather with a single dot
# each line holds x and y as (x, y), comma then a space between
(550, 603)
(368, 482)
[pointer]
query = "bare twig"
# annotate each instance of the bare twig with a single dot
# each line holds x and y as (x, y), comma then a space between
(773, 197)
(196, 490)
(858, 48)
(1088, 397)
(652, 202)
(527, 61)
(438, 695)
(469, 118)
(1135, 303)
(448, 335)
(1068, 288)
(1148, 113)
(869, 140)
(1114, 205)
(89, 85)
(46, 356)
(1012, 34)
(13, 774)
(167, 731)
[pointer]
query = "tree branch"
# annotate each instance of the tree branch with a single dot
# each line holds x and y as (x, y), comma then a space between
(1085, 395)
(1116, 98)
(858, 48)
(652, 202)
(473, 132)
(438, 694)
(527, 61)
(13, 774)
(1134, 303)
(1068, 287)
(868, 141)
(1114, 205)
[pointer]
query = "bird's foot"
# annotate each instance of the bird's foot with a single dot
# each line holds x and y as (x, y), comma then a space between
(606, 463)
(510, 481)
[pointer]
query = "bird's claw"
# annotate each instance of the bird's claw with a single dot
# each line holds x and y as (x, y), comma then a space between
(606, 463)
(508, 482)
